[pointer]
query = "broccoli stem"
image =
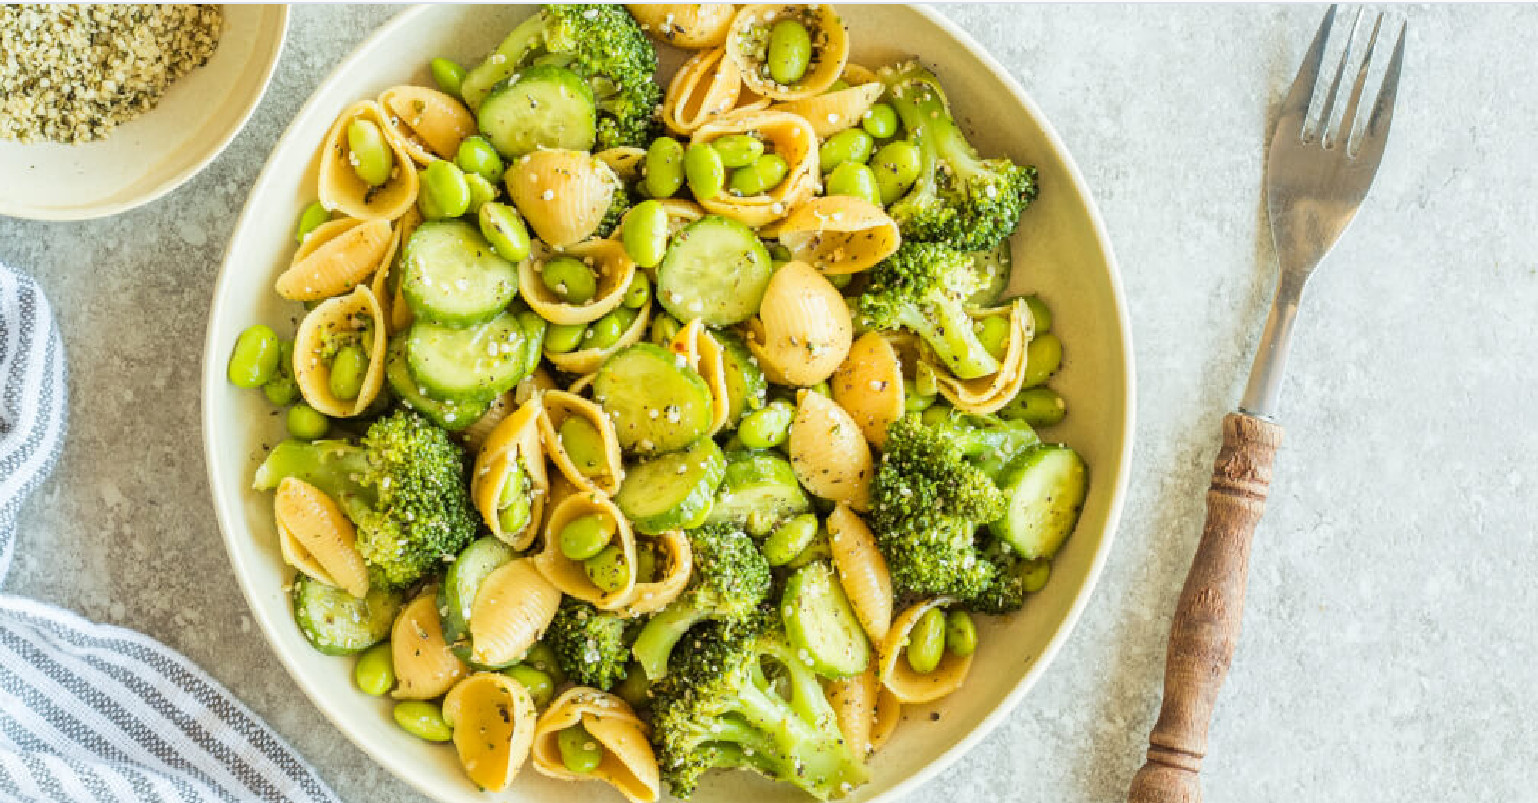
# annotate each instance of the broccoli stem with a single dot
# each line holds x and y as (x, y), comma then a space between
(660, 634)
(949, 332)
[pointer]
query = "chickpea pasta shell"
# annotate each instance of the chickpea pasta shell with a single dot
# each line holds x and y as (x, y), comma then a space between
(336, 257)
(513, 444)
(568, 575)
(793, 139)
(556, 407)
(425, 123)
(493, 718)
(425, 666)
(313, 374)
(628, 764)
(898, 677)
(339, 187)
(612, 267)
(830, 46)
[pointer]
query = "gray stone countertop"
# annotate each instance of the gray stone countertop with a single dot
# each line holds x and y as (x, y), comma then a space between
(1385, 653)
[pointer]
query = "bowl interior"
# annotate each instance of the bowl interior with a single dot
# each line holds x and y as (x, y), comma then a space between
(157, 151)
(1061, 252)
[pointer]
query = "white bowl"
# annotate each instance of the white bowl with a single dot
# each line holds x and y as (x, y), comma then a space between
(1062, 252)
(155, 152)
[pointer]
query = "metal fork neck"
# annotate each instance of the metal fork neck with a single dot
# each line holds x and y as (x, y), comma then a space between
(1264, 390)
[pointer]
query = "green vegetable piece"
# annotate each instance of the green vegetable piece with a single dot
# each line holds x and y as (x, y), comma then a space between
(993, 333)
(463, 580)
(645, 235)
(568, 278)
(880, 121)
(657, 405)
(504, 229)
(475, 155)
(580, 752)
(913, 400)
(444, 192)
(639, 292)
(1040, 406)
(790, 539)
(738, 150)
(542, 657)
(664, 328)
(586, 536)
(897, 166)
(761, 176)
(348, 369)
(369, 153)
(482, 192)
(856, 181)
(1043, 356)
(607, 569)
(607, 331)
(310, 219)
(423, 720)
(664, 168)
(1045, 487)
(468, 364)
(584, 445)
(704, 171)
(849, 145)
(375, 671)
(635, 689)
(447, 74)
(1041, 316)
(542, 107)
(960, 633)
(645, 563)
(539, 684)
(306, 423)
(820, 623)
(1036, 575)
(790, 52)
(450, 274)
(926, 641)
(281, 391)
(254, 360)
(673, 491)
(561, 338)
(716, 269)
(768, 427)
(338, 623)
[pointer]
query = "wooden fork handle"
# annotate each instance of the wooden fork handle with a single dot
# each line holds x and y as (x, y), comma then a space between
(1206, 624)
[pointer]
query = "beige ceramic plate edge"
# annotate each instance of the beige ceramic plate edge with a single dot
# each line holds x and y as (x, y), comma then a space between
(1062, 251)
(149, 156)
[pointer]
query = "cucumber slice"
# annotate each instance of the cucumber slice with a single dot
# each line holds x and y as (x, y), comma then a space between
(450, 274)
(338, 623)
(673, 491)
(759, 490)
(746, 387)
(540, 107)
(716, 270)
(993, 269)
(467, 365)
(820, 623)
(657, 403)
(1046, 488)
(452, 416)
(457, 594)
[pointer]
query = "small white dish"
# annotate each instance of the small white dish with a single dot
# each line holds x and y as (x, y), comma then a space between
(1062, 251)
(159, 150)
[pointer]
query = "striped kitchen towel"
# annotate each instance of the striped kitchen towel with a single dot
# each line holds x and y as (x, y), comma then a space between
(91, 712)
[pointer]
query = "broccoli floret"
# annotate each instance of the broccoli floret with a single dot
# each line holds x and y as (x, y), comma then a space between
(991, 443)
(924, 287)
(730, 578)
(589, 644)
(960, 198)
(618, 206)
(927, 501)
(737, 695)
(403, 485)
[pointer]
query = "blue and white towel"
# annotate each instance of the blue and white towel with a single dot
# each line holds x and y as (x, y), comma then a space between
(93, 712)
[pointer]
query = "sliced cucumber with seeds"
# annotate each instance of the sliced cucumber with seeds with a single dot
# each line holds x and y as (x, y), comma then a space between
(452, 416)
(540, 107)
(657, 402)
(758, 491)
(1046, 488)
(673, 491)
(820, 623)
(746, 387)
(716, 270)
(456, 596)
(467, 365)
(451, 275)
(338, 623)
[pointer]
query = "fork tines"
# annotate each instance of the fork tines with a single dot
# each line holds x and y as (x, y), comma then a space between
(1323, 129)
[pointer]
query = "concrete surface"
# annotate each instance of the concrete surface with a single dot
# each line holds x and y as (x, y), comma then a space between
(1387, 651)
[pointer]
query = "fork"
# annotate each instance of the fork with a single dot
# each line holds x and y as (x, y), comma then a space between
(1316, 178)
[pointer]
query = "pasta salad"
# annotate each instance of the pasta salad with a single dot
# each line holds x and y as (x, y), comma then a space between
(637, 433)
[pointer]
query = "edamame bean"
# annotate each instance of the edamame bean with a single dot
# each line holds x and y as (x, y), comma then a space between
(640, 291)
(960, 634)
(423, 720)
(281, 391)
(375, 671)
(634, 689)
(790, 539)
(926, 641)
(369, 154)
(444, 192)
(664, 328)
(568, 278)
(580, 752)
(542, 657)
(310, 219)
(897, 166)
(738, 150)
(704, 171)
(664, 168)
(819, 549)
(475, 155)
(539, 684)
(822, 388)
(1043, 356)
(880, 121)
(447, 74)
(607, 569)
(254, 360)
(913, 400)
(306, 423)
(993, 333)
(840, 280)
(766, 427)
(645, 234)
(586, 536)
(584, 445)
(347, 371)
(1036, 576)
(779, 253)
(533, 327)
(504, 229)
(760, 177)
(645, 563)
(1038, 406)
(790, 52)
(563, 337)
(1041, 317)
(936, 415)
(607, 331)
(855, 180)
(849, 145)
(482, 192)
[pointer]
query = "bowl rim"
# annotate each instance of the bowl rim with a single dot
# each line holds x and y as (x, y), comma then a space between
(228, 517)
(175, 181)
